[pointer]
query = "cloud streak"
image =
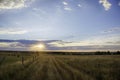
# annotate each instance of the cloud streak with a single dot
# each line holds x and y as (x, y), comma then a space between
(11, 44)
(115, 29)
(12, 31)
(67, 8)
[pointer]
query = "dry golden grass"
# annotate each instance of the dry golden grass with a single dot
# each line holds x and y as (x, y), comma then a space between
(63, 67)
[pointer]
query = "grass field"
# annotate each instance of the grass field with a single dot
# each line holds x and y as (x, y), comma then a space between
(59, 67)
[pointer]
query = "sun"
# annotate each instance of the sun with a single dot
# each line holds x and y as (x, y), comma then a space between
(38, 47)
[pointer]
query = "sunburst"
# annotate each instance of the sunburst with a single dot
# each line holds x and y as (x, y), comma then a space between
(38, 47)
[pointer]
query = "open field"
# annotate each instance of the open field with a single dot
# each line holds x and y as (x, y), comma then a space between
(42, 66)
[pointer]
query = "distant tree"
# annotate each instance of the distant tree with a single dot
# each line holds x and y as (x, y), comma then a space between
(118, 52)
(108, 52)
(97, 53)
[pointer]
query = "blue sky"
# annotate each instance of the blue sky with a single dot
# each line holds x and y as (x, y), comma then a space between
(71, 23)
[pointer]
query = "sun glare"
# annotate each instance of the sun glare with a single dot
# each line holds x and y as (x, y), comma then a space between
(38, 47)
(41, 46)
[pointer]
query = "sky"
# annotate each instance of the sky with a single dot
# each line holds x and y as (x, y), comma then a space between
(85, 25)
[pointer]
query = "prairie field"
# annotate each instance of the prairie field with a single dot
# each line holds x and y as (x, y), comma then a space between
(44, 66)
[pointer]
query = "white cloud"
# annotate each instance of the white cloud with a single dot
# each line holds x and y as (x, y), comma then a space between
(79, 5)
(65, 3)
(14, 4)
(4, 44)
(67, 8)
(12, 31)
(97, 40)
(106, 4)
(11, 44)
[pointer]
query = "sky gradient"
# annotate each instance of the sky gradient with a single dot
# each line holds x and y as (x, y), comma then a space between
(60, 24)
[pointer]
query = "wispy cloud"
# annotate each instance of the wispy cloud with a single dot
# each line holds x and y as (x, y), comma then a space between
(65, 3)
(115, 29)
(12, 31)
(106, 4)
(11, 44)
(79, 5)
(38, 11)
(67, 8)
(119, 3)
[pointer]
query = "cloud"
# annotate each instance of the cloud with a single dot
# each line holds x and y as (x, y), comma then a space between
(14, 4)
(106, 4)
(11, 44)
(118, 3)
(55, 45)
(77, 46)
(23, 44)
(67, 8)
(97, 40)
(38, 11)
(79, 5)
(12, 31)
(115, 29)
(65, 3)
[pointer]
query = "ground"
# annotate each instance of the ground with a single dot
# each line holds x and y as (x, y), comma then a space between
(43, 66)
